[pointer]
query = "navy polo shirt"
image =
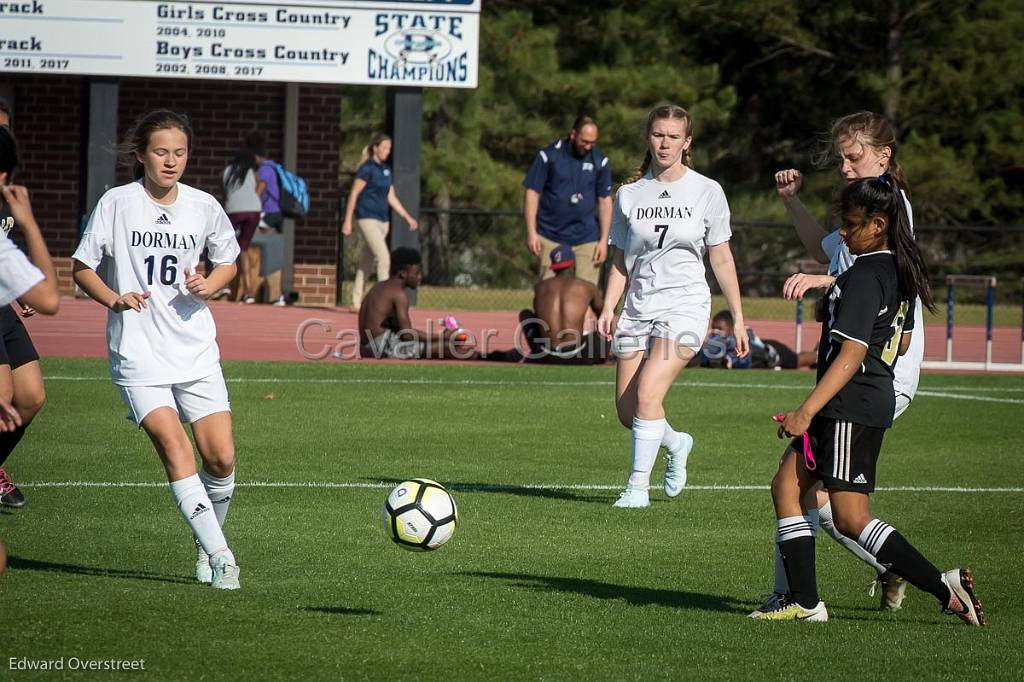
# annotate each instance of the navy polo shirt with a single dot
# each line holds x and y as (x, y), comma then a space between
(373, 200)
(558, 176)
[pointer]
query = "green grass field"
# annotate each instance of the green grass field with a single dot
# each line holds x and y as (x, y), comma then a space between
(543, 580)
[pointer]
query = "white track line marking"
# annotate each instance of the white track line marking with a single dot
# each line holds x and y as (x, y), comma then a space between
(496, 487)
(960, 396)
(488, 382)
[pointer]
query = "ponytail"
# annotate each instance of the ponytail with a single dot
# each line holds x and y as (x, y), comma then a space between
(911, 268)
(368, 149)
(896, 171)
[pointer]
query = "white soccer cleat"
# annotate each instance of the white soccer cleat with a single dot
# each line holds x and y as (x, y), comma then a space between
(632, 498)
(962, 601)
(204, 572)
(675, 469)
(787, 609)
(225, 574)
(893, 589)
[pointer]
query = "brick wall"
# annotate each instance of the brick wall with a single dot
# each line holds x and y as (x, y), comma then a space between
(47, 123)
(50, 125)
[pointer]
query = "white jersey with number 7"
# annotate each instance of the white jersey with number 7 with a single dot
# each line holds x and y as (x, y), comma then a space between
(148, 247)
(664, 228)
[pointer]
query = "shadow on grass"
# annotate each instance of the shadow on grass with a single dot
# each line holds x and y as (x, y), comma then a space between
(19, 564)
(341, 611)
(637, 596)
(565, 494)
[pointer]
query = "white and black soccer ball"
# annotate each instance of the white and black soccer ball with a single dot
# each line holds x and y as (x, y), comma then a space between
(420, 515)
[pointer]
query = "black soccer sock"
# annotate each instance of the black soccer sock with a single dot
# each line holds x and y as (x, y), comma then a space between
(9, 441)
(892, 550)
(796, 546)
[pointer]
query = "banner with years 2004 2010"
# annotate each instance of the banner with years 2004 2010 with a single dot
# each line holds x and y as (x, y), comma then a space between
(428, 43)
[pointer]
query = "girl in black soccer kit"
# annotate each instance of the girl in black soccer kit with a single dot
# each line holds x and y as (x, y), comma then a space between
(839, 427)
(21, 380)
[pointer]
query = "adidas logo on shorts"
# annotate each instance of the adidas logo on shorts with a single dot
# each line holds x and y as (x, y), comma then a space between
(860, 479)
(665, 195)
(163, 220)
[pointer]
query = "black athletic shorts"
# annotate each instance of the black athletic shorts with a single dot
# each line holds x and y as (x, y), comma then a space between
(846, 454)
(17, 348)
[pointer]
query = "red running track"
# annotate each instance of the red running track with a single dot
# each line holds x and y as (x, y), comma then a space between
(260, 332)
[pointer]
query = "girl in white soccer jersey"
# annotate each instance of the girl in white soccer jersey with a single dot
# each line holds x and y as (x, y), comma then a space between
(864, 143)
(161, 337)
(664, 219)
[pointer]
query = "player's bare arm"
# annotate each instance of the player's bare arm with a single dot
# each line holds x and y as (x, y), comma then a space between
(87, 279)
(848, 363)
(613, 293)
(44, 297)
(724, 267)
(788, 183)
(204, 287)
(797, 286)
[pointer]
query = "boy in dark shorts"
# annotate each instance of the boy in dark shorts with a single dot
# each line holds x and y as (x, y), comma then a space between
(840, 426)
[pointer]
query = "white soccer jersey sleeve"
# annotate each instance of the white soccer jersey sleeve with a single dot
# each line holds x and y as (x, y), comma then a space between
(149, 247)
(717, 218)
(17, 274)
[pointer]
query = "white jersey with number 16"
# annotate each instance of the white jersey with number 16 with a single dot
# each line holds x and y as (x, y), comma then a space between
(147, 247)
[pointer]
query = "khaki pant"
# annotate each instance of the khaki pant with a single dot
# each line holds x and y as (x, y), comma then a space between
(271, 283)
(585, 268)
(375, 248)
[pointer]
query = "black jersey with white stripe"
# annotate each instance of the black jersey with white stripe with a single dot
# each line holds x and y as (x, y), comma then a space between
(864, 307)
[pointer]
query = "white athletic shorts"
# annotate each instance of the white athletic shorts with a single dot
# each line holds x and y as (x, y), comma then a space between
(902, 403)
(192, 400)
(685, 330)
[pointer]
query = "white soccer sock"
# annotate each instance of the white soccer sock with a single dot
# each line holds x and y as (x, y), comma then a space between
(670, 439)
(196, 507)
(647, 435)
(220, 491)
(849, 543)
(781, 581)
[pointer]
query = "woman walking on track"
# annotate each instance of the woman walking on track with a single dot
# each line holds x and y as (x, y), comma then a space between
(864, 144)
(664, 219)
(371, 195)
(161, 336)
(869, 323)
(242, 203)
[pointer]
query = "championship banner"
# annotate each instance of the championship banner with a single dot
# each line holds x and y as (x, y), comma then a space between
(424, 43)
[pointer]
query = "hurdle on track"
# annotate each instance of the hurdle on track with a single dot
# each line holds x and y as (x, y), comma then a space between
(989, 283)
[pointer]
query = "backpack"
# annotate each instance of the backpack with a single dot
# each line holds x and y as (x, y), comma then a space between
(294, 199)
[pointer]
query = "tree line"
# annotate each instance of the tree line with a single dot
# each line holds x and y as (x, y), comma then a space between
(762, 79)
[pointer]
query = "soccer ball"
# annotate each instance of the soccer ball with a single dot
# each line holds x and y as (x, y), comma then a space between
(420, 515)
